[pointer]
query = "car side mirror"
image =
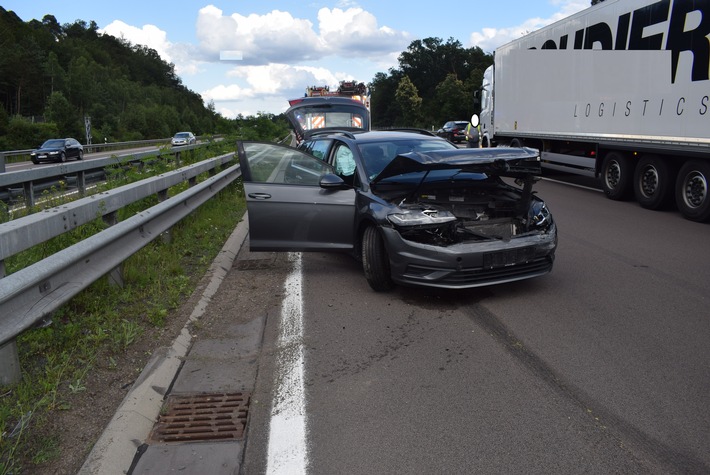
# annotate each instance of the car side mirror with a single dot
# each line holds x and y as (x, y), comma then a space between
(331, 181)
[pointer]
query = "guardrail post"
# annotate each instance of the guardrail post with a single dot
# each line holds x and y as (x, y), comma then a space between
(2, 162)
(29, 194)
(81, 183)
(9, 364)
(115, 275)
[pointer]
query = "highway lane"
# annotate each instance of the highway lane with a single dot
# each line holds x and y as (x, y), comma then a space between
(600, 367)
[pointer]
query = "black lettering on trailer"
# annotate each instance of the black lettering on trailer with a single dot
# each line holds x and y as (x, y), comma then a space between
(648, 16)
(630, 30)
(695, 40)
(599, 33)
(703, 105)
(622, 31)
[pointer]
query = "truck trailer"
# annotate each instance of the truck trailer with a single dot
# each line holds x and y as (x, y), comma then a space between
(619, 91)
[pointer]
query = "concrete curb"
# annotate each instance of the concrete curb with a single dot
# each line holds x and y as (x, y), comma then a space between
(113, 453)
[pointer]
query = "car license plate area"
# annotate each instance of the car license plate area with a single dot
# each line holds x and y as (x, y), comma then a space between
(509, 257)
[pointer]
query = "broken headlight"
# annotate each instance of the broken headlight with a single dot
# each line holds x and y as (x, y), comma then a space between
(539, 215)
(421, 217)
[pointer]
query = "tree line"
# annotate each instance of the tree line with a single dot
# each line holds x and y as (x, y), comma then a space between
(53, 76)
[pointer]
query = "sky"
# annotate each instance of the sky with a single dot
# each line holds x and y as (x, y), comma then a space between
(251, 56)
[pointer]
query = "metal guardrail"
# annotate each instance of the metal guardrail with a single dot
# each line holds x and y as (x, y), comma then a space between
(32, 294)
(98, 147)
(24, 181)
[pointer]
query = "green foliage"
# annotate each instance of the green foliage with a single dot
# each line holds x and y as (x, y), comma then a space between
(444, 75)
(24, 134)
(410, 104)
(60, 112)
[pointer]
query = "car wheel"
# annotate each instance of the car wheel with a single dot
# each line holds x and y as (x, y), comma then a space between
(36, 162)
(654, 181)
(693, 190)
(375, 261)
(63, 157)
(617, 174)
(81, 155)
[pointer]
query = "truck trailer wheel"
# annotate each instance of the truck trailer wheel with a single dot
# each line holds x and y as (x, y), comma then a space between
(692, 190)
(617, 175)
(654, 181)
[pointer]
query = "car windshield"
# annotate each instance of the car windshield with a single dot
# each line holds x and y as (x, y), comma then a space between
(54, 143)
(376, 156)
(461, 125)
(182, 135)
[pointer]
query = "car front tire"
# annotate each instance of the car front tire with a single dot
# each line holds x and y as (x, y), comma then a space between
(63, 157)
(81, 155)
(375, 261)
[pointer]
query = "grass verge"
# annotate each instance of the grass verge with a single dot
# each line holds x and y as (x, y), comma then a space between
(102, 323)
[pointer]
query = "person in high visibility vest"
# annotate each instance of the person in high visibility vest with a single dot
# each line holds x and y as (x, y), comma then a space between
(473, 136)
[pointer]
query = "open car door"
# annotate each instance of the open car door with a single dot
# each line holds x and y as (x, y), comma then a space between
(294, 201)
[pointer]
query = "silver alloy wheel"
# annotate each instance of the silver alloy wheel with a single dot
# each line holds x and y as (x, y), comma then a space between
(612, 177)
(695, 189)
(648, 182)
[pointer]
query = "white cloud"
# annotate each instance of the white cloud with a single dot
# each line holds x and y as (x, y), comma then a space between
(355, 32)
(279, 37)
(276, 80)
(150, 36)
(183, 56)
(489, 39)
(274, 37)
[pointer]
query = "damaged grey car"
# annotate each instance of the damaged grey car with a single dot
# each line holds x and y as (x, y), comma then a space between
(422, 215)
(411, 206)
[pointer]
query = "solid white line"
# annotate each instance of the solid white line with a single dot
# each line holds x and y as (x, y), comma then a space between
(287, 452)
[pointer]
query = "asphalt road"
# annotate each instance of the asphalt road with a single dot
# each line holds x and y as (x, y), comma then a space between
(603, 366)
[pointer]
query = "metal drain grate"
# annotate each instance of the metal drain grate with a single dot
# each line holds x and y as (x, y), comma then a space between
(202, 417)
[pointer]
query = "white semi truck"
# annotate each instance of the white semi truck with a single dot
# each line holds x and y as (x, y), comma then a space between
(619, 91)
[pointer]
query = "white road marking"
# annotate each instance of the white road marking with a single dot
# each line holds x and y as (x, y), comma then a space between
(287, 452)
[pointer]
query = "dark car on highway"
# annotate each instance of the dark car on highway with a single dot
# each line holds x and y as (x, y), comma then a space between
(58, 150)
(453, 130)
(414, 208)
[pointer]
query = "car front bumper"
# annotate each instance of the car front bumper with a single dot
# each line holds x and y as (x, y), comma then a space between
(468, 265)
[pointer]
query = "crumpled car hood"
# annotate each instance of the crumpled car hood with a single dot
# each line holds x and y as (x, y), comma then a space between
(499, 161)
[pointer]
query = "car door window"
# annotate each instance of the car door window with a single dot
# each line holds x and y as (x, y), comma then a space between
(268, 163)
(317, 148)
